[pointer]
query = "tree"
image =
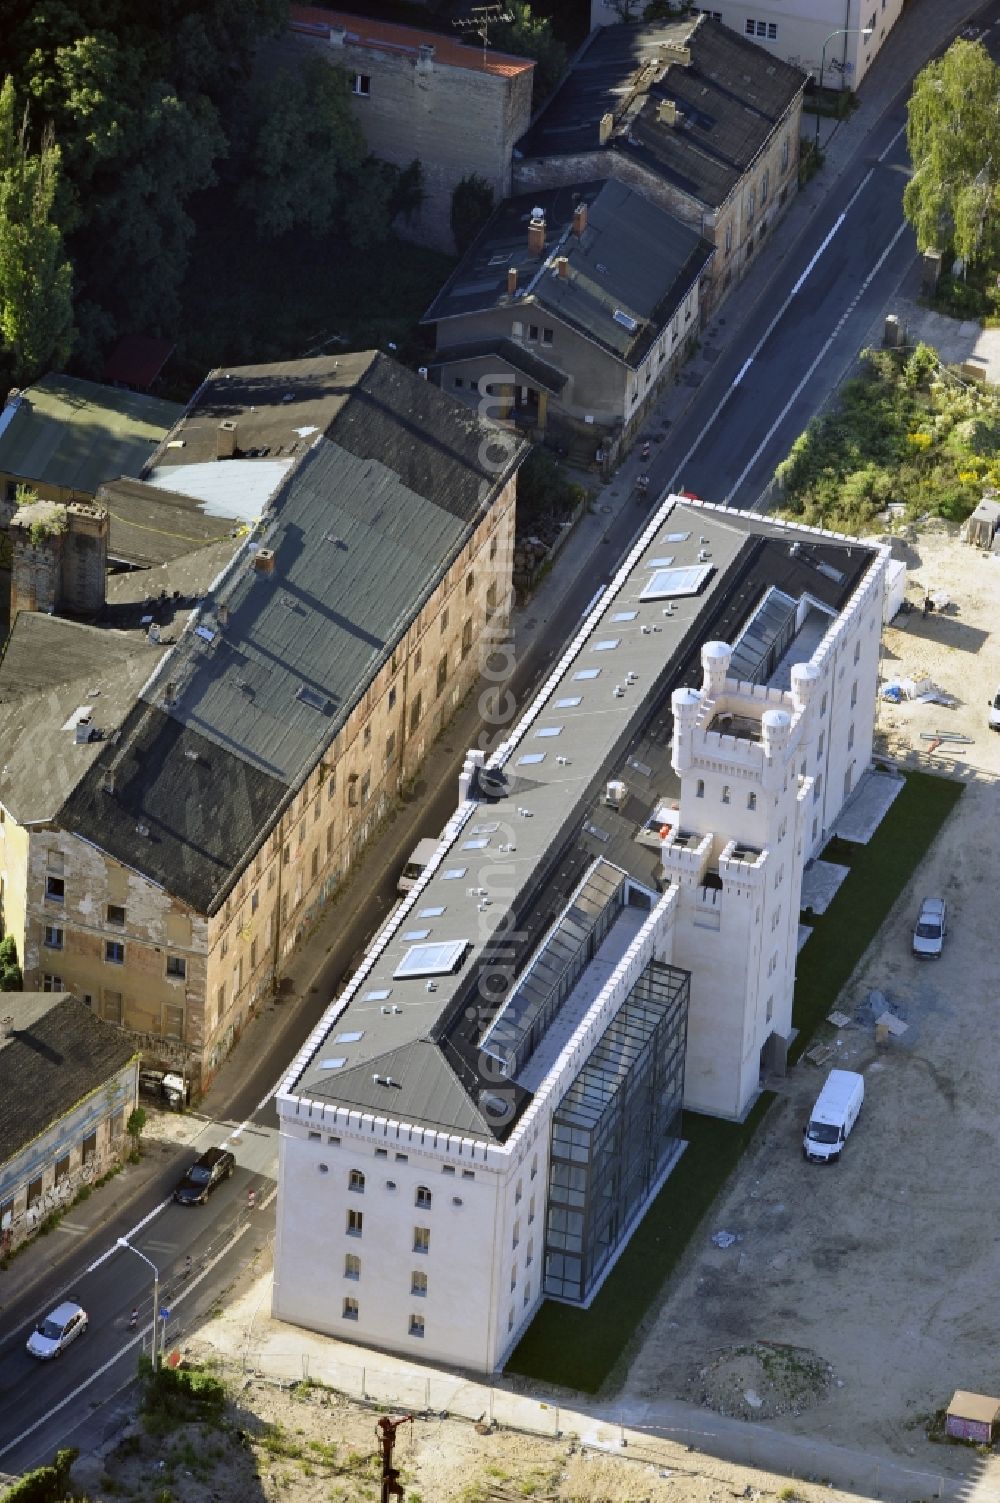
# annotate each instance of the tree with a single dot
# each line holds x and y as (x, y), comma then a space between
(471, 206)
(36, 278)
(953, 132)
(305, 150)
(11, 979)
(134, 1127)
(528, 35)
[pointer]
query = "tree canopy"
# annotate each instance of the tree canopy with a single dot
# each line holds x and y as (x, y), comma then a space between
(529, 35)
(953, 131)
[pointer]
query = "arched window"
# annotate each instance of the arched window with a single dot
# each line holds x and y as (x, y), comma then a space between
(423, 1197)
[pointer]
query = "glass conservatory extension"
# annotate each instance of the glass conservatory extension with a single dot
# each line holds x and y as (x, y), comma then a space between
(615, 1132)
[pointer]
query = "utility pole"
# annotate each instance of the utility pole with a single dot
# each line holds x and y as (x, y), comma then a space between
(386, 1432)
(479, 20)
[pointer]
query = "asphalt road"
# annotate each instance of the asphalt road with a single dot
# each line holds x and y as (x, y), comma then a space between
(762, 390)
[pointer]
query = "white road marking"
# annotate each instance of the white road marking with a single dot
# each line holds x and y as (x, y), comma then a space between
(883, 154)
(742, 371)
(175, 1299)
(129, 1235)
(819, 357)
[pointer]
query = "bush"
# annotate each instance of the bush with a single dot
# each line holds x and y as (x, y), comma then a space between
(177, 1396)
(471, 206)
(46, 1484)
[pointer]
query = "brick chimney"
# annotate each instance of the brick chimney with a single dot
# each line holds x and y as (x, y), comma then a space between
(263, 561)
(536, 232)
(667, 112)
(226, 439)
(425, 57)
(605, 128)
(579, 219)
(511, 280)
(562, 266)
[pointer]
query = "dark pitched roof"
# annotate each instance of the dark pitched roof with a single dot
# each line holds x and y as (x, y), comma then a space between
(268, 670)
(137, 360)
(627, 272)
(539, 372)
(730, 97)
(56, 1053)
(50, 670)
(149, 525)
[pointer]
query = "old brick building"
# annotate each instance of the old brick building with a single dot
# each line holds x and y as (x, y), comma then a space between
(421, 95)
(183, 790)
(698, 118)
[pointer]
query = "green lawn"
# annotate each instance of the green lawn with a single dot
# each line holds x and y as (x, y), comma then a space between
(579, 1349)
(250, 300)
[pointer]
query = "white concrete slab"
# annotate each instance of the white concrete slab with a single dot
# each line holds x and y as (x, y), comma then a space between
(867, 807)
(820, 883)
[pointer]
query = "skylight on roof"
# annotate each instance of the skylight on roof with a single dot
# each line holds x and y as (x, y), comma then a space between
(378, 995)
(606, 644)
(412, 934)
(485, 829)
(311, 698)
(453, 873)
(567, 704)
(432, 960)
(624, 615)
(430, 912)
(531, 759)
(667, 584)
(479, 844)
(548, 730)
(204, 633)
(625, 319)
(350, 1038)
(332, 1064)
(587, 673)
(658, 563)
(676, 537)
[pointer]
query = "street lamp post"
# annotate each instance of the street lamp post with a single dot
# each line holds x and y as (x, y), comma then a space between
(124, 1242)
(841, 31)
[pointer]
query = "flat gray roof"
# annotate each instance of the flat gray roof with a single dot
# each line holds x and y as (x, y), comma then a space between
(504, 865)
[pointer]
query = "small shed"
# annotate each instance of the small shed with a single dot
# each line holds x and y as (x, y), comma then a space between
(982, 525)
(972, 1416)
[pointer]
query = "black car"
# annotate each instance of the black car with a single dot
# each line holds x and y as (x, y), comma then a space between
(215, 1164)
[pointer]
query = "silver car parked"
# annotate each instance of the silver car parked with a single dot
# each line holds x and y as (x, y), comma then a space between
(930, 929)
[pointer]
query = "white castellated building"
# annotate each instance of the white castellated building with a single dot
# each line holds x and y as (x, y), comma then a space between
(607, 932)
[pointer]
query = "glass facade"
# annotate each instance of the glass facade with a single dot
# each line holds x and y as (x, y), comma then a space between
(614, 1131)
(564, 954)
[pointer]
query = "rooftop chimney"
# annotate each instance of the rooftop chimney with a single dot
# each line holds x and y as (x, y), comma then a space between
(511, 280)
(425, 56)
(579, 219)
(263, 561)
(338, 36)
(169, 692)
(536, 232)
(605, 128)
(676, 52)
(562, 266)
(666, 112)
(225, 439)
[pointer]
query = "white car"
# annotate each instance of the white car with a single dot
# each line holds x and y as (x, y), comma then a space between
(63, 1325)
(930, 929)
(994, 711)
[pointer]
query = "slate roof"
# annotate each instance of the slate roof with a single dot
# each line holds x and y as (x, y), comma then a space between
(56, 1053)
(362, 531)
(629, 270)
(539, 372)
(150, 525)
(386, 1024)
(50, 668)
(730, 96)
(72, 433)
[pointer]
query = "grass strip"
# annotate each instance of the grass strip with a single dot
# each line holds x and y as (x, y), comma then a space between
(578, 1349)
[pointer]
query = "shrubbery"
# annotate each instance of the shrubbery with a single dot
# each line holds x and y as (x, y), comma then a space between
(906, 430)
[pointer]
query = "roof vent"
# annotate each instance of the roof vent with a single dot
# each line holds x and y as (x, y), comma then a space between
(615, 793)
(604, 129)
(108, 781)
(677, 52)
(263, 561)
(153, 634)
(142, 830)
(169, 692)
(667, 112)
(82, 732)
(490, 783)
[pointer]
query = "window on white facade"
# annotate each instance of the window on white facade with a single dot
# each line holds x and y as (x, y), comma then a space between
(423, 1197)
(854, 694)
(352, 1266)
(421, 1239)
(820, 743)
(765, 183)
(513, 1278)
(699, 791)
(770, 1009)
(857, 652)
(725, 793)
(850, 736)
(785, 150)
(416, 1325)
(355, 1223)
(362, 85)
(356, 1181)
(350, 1308)
(516, 1237)
(418, 1283)
(751, 801)
(534, 1166)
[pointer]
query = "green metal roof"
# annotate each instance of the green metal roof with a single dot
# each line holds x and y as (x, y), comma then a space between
(72, 433)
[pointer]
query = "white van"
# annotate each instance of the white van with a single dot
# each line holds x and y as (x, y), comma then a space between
(994, 715)
(833, 1116)
(417, 864)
